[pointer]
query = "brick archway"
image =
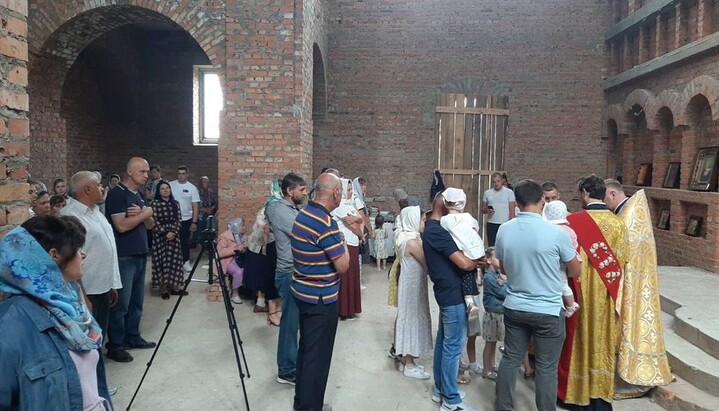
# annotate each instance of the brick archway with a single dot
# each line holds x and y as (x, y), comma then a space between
(618, 115)
(672, 100)
(639, 97)
(58, 36)
(706, 86)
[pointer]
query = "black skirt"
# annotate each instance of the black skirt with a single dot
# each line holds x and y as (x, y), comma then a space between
(260, 272)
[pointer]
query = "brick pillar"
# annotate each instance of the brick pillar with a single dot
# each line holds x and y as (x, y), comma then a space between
(633, 5)
(262, 136)
(704, 18)
(14, 123)
(630, 168)
(627, 53)
(689, 156)
(660, 157)
(678, 26)
(643, 52)
(659, 40)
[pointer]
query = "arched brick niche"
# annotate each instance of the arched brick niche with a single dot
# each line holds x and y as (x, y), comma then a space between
(93, 78)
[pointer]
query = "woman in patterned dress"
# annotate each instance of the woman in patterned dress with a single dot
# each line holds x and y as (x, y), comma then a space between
(166, 251)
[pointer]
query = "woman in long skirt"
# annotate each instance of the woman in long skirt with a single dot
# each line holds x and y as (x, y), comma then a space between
(166, 252)
(259, 275)
(349, 300)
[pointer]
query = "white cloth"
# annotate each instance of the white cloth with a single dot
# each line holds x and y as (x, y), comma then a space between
(102, 270)
(338, 214)
(464, 230)
(413, 330)
(86, 365)
(408, 222)
(185, 194)
(499, 200)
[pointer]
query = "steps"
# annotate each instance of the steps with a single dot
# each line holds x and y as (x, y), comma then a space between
(691, 334)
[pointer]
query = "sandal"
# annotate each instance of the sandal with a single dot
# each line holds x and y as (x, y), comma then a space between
(272, 321)
(463, 379)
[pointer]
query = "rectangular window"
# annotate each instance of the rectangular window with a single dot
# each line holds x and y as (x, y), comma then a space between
(207, 105)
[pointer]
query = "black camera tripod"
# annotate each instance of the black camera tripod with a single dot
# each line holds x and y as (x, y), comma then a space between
(209, 245)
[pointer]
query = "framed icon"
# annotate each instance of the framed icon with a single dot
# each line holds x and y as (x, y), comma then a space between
(704, 177)
(694, 226)
(663, 221)
(644, 176)
(671, 180)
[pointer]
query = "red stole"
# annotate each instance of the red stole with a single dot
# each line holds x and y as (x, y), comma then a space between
(599, 254)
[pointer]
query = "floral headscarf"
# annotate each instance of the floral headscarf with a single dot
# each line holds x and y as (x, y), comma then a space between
(275, 193)
(27, 269)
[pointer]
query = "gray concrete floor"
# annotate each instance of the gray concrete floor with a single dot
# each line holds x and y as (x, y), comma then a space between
(195, 369)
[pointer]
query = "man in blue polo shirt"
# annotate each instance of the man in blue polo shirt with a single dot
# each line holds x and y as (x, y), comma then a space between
(130, 220)
(320, 257)
(446, 264)
(530, 251)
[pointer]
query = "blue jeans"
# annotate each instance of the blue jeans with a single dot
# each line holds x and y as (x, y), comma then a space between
(289, 326)
(451, 338)
(125, 316)
(548, 333)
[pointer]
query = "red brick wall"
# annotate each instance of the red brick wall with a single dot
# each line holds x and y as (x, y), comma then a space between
(95, 110)
(14, 126)
(388, 61)
(268, 115)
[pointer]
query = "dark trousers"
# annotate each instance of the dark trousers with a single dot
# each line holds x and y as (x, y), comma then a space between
(318, 326)
(548, 333)
(101, 309)
(185, 239)
(492, 229)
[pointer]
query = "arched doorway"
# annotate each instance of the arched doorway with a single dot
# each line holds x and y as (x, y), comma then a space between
(111, 83)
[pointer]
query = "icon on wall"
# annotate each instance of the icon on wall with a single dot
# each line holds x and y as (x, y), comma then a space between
(704, 177)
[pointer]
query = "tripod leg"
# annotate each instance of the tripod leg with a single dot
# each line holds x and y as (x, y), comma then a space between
(167, 325)
(231, 321)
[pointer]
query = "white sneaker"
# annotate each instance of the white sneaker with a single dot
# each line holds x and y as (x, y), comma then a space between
(112, 390)
(237, 300)
(416, 373)
(437, 397)
(475, 369)
(186, 267)
(462, 406)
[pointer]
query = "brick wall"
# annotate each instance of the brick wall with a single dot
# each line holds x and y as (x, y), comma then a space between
(268, 115)
(388, 61)
(14, 126)
(103, 91)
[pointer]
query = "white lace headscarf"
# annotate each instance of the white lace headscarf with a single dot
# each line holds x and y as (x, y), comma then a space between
(409, 221)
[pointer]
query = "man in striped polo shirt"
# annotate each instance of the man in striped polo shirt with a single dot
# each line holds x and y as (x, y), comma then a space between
(320, 257)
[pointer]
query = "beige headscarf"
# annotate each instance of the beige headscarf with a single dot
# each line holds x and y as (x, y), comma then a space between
(409, 219)
(347, 183)
(258, 237)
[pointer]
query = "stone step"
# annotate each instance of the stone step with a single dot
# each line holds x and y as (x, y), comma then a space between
(686, 294)
(689, 361)
(682, 396)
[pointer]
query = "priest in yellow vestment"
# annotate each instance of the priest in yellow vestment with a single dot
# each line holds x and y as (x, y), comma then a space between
(642, 359)
(588, 361)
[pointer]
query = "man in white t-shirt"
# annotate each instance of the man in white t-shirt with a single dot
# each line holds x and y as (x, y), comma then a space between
(189, 198)
(499, 204)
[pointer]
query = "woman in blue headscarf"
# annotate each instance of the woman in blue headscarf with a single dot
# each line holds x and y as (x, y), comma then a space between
(49, 349)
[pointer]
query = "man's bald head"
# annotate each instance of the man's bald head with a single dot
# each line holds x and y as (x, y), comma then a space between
(137, 173)
(328, 191)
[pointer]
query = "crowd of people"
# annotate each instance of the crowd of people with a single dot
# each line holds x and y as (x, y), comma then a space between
(552, 291)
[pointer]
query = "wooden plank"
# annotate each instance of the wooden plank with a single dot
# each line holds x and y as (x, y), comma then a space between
(473, 110)
(459, 140)
(638, 17)
(468, 154)
(449, 145)
(673, 57)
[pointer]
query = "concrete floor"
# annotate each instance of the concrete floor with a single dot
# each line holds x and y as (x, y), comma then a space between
(195, 369)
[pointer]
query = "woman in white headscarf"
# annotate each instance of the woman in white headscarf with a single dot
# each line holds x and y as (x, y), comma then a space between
(413, 328)
(349, 300)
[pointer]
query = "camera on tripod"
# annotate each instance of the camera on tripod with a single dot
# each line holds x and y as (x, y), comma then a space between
(209, 232)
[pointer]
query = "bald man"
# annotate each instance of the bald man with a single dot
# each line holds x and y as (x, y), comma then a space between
(320, 257)
(130, 220)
